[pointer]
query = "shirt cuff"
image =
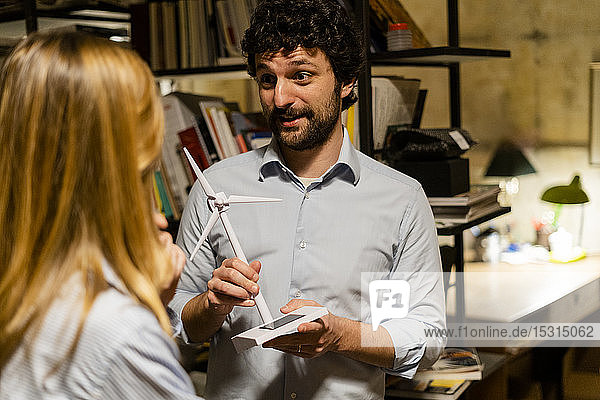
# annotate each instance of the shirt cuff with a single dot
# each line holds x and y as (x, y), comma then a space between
(175, 309)
(409, 346)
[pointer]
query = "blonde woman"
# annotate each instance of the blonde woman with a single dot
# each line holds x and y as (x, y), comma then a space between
(83, 266)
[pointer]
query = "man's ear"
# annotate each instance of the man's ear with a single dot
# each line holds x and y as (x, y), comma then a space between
(347, 88)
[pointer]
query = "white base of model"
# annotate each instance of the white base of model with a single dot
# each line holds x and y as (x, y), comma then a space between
(281, 326)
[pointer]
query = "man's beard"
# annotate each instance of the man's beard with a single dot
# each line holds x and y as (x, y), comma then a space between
(320, 123)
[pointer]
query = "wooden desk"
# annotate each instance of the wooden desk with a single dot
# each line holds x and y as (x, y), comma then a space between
(506, 293)
(532, 292)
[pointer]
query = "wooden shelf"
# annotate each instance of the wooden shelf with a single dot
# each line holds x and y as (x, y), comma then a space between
(11, 12)
(202, 70)
(454, 229)
(435, 56)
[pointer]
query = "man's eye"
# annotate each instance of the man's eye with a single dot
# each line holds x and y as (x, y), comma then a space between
(302, 76)
(266, 80)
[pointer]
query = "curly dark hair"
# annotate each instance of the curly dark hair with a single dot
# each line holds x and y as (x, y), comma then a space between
(322, 24)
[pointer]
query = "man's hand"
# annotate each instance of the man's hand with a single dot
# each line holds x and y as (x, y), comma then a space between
(232, 284)
(313, 338)
(177, 259)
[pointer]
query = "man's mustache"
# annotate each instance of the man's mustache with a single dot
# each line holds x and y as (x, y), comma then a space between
(288, 113)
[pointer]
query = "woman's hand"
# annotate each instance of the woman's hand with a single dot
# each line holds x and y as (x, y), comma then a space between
(177, 259)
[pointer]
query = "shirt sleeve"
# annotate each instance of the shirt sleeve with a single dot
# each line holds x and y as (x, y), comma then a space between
(145, 365)
(196, 273)
(417, 260)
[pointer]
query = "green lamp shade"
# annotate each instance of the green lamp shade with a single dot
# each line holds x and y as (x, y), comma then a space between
(570, 194)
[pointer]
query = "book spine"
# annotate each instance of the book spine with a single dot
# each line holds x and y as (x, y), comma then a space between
(162, 193)
(169, 34)
(202, 130)
(184, 33)
(156, 50)
(213, 131)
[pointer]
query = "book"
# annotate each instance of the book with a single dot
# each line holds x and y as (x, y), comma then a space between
(161, 193)
(189, 139)
(448, 389)
(454, 363)
(466, 213)
(169, 35)
(203, 133)
(177, 119)
(394, 100)
(156, 60)
(256, 140)
(212, 128)
(475, 194)
(184, 34)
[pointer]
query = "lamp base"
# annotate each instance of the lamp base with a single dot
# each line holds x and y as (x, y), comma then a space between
(576, 253)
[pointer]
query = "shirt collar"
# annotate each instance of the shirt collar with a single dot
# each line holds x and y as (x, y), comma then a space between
(112, 278)
(346, 167)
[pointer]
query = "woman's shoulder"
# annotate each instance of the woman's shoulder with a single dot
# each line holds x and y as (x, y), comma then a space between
(132, 353)
(116, 319)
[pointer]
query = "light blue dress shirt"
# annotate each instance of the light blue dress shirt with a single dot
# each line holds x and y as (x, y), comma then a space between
(122, 352)
(360, 220)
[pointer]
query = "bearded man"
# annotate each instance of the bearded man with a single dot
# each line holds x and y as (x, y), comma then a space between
(344, 217)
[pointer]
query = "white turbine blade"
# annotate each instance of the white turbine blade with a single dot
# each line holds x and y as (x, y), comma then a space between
(209, 225)
(261, 304)
(234, 199)
(203, 182)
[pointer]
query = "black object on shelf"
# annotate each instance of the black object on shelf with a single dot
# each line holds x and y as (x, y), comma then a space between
(439, 178)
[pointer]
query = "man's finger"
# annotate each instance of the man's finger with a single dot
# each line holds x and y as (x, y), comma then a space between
(247, 271)
(309, 327)
(228, 288)
(233, 276)
(295, 304)
(223, 299)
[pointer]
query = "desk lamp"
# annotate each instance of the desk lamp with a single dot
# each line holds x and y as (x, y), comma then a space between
(508, 162)
(561, 242)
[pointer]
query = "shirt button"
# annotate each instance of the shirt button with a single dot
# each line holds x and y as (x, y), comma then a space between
(298, 294)
(293, 395)
(306, 195)
(303, 244)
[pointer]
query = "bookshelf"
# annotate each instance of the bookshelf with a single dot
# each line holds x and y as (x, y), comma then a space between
(102, 18)
(449, 57)
(28, 11)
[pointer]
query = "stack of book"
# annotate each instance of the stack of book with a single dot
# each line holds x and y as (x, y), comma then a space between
(454, 363)
(465, 207)
(447, 378)
(416, 389)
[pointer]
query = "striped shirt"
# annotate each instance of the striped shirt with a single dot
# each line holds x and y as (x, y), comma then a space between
(122, 353)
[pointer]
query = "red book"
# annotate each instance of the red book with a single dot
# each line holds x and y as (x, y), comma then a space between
(189, 139)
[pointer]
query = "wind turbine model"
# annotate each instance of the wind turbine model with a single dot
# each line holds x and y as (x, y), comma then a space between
(219, 202)
(270, 328)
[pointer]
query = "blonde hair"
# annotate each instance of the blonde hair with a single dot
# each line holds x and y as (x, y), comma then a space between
(81, 126)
